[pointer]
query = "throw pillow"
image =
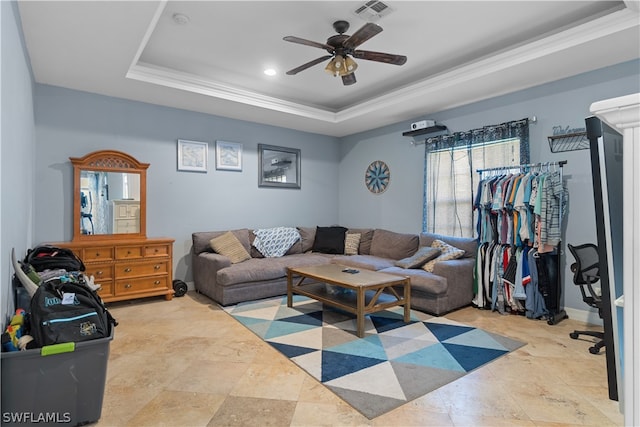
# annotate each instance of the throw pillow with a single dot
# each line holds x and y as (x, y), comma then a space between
(447, 252)
(229, 246)
(351, 243)
(366, 234)
(329, 240)
(424, 254)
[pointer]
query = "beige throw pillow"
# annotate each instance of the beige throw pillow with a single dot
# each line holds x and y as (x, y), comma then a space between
(422, 255)
(351, 243)
(229, 246)
(447, 252)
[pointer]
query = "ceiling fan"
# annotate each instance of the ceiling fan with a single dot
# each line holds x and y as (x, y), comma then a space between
(342, 47)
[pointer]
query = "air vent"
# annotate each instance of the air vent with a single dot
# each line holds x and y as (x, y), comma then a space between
(372, 10)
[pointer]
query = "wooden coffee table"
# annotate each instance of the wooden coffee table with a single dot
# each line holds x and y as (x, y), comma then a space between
(368, 290)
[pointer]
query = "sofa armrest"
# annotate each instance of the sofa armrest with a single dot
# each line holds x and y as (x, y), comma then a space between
(205, 271)
(459, 275)
(214, 261)
(455, 270)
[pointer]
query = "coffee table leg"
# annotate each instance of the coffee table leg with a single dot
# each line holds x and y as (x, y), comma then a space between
(407, 300)
(289, 289)
(360, 312)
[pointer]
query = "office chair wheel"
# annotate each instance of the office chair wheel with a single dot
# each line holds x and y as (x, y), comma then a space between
(594, 350)
(574, 335)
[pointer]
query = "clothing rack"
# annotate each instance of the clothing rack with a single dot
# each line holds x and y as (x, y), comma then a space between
(560, 164)
(560, 313)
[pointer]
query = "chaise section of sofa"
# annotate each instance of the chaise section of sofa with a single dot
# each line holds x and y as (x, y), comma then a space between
(448, 287)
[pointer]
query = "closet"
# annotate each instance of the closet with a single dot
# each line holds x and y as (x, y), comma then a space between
(519, 216)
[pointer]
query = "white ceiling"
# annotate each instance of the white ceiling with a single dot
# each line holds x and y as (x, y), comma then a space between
(458, 52)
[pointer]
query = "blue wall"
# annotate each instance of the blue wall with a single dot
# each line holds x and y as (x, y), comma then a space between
(73, 124)
(565, 103)
(17, 150)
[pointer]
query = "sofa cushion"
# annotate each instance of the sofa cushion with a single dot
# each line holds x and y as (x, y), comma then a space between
(307, 237)
(366, 234)
(202, 239)
(422, 281)
(389, 244)
(228, 245)
(329, 240)
(352, 243)
(252, 270)
(365, 262)
(417, 260)
(447, 252)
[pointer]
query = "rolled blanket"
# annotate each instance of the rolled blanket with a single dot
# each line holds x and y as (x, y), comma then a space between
(275, 242)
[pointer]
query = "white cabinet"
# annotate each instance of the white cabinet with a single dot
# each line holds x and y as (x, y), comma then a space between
(126, 216)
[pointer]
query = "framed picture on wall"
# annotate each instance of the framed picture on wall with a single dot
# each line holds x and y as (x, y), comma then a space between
(228, 156)
(278, 166)
(192, 156)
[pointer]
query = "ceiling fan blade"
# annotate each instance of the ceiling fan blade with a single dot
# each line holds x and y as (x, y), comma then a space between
(294, 39)
(308, 65)
(387, 58)
(349, 79)
(365, 32)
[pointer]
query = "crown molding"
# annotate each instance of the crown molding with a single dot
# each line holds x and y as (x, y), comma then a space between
(601, 27)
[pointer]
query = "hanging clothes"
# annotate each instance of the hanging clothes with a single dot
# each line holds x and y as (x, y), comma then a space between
(519, 226)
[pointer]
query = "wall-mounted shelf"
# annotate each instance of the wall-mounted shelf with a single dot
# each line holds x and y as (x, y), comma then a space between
(568, 142)
(425, 131)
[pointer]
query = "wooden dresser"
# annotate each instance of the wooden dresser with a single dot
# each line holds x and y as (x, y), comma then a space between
(128, 268)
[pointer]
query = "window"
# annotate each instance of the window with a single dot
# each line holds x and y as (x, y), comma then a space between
(451, 178)
(451, 187)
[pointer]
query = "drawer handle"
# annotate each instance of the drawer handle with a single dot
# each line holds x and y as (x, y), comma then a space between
(127, 286)
(97, 254)
(156, 267)
(127, 270)
(157, 282)
(128, 252)
(98, 273)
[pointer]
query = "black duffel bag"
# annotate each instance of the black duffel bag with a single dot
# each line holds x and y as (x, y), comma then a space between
(47, 257)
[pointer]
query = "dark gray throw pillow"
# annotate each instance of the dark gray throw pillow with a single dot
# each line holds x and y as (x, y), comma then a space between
(329, 240)
(417, 260)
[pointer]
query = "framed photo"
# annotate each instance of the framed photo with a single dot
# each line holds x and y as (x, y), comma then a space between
(278, 166)
(192, 156)
(228, 156)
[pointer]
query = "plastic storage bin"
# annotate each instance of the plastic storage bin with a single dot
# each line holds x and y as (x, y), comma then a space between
(57, 389)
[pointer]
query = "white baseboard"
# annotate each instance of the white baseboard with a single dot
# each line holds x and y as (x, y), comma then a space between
(587, 316)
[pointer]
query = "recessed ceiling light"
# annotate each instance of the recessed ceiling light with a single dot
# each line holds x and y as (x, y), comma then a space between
(270, 72)
(180, 18)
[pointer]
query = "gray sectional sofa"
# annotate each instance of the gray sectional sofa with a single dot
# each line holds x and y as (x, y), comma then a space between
(448, 287)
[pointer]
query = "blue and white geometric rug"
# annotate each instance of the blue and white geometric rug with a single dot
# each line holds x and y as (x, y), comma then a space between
(394, 363)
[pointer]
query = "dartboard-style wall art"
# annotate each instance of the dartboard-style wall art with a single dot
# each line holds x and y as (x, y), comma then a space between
(377, 177)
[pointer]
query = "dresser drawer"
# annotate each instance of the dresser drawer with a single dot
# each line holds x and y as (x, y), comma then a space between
(146, 284)
(99, 271)
(133, 269)
(106, 288)
(98, 253)
(129, 252)
(156, 250)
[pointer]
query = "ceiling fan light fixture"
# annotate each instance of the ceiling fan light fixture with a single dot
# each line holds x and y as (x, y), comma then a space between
(341, 66)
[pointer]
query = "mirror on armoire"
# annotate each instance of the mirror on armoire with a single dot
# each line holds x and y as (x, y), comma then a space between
(109, 196)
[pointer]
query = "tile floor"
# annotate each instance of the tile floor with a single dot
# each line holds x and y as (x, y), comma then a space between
(186, 362)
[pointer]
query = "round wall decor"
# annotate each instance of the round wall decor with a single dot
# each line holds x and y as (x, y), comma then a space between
(377, 177)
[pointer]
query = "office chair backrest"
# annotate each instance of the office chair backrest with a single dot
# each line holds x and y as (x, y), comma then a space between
(587, 266)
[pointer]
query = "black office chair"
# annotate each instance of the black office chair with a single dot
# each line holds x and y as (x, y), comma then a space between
(586, 272)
